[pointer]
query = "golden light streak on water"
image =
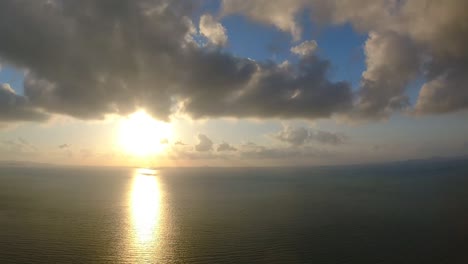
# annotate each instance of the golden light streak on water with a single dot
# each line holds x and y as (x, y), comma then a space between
(145, 207)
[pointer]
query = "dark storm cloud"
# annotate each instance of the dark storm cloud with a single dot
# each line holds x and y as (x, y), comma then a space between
(90, 58)
(267, 90)
(15, 107)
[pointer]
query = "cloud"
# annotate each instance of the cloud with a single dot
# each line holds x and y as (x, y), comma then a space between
(204, 143)
(280, 13)
(18, 146)
(446, 93)
(213, 30)
(199, 152)
(179, 143)
(403, 46)
(251, 151)
(306, 48)
(67, 150)
(87, 59)
(15, 107)
(64, 146)
(270, 153)
(326, 137)
(225, 147)
(164, 141)
(268, 90)
(392, 62)
(294, 136)
(299, 136)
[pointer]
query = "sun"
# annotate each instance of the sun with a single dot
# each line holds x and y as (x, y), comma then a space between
(141, 135)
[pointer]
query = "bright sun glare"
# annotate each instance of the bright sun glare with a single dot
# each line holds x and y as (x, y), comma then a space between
(141, 135)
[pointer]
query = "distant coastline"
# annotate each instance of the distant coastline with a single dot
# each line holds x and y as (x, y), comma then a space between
(422, 161)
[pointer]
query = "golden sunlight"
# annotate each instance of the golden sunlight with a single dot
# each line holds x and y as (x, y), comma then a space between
(141, 135)
(145, 206)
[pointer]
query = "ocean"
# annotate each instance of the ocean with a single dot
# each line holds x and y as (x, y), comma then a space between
(415, 212)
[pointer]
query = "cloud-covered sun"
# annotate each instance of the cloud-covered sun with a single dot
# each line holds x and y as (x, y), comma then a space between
(141, 135)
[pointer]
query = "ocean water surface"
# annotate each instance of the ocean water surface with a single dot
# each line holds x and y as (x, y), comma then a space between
(399, 213)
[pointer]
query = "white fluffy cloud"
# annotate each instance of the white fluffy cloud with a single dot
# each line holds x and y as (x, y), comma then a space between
(306, 48)
(213, 30)
(408, 39)
(282, 14)
(392, 62)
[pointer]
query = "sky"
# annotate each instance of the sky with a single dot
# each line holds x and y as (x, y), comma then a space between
(232, 83)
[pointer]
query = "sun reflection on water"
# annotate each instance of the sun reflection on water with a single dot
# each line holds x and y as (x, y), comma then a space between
(145, 205)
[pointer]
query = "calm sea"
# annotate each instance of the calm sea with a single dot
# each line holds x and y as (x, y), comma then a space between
(400, 213)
